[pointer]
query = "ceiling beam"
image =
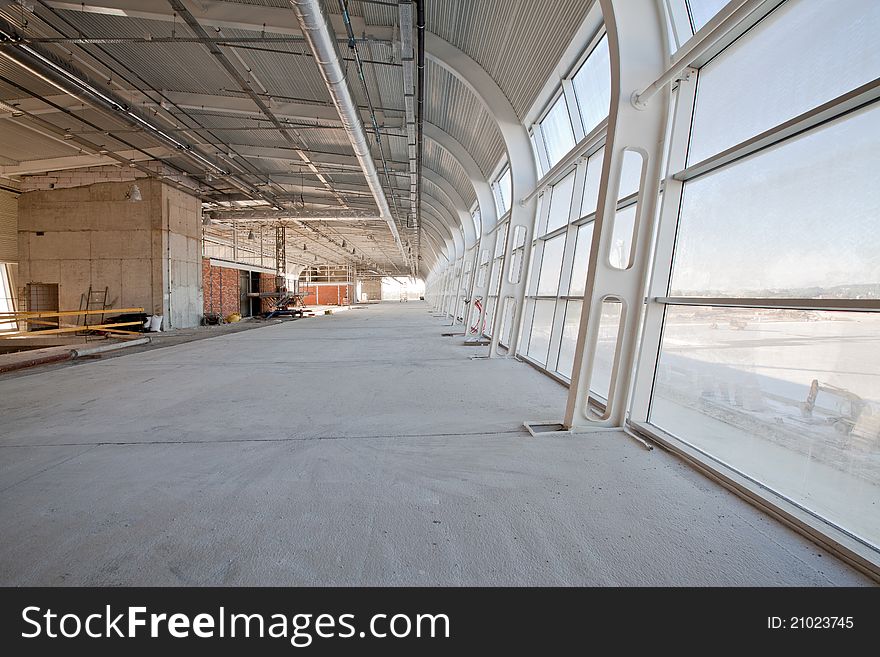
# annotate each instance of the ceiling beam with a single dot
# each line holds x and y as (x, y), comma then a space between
(299, 111)
(28, 167)
(222, 14)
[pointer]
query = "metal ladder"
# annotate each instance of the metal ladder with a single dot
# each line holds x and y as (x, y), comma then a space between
(93, 300)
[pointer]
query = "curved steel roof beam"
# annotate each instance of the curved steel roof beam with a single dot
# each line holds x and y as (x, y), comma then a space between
(523, 173)
(447, 216)
(455, 203)
(482, 189)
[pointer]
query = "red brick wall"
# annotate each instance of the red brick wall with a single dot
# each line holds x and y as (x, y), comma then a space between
(267, 284)
(327, 295)
(221, 289)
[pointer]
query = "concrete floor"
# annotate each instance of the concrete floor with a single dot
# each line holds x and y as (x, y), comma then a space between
(359, 448)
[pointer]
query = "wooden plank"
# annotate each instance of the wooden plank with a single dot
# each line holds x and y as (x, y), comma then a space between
(69, 329)
(84, 328)
(35, 314)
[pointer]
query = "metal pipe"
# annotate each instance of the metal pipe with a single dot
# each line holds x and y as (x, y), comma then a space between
(420, 103)
(323, 44)
(43, 65)
(729, 16)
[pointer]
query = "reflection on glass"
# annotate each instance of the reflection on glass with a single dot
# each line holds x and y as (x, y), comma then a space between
(490, 315)
(556, 128)
(551, 264)
(560, 203)
(806, 43)
(502, 190)
(789, 397)
(606, 347)
(542, 322)
(484, 268)
(621, 237)
(592, 86)
(538, 164)
(702, 11)
(506, 321)
(630, 174)
(476, 218)
(570, 326)
(495, 279)
(516, 260)
(815, 194)
(581, 260)
(591, 183)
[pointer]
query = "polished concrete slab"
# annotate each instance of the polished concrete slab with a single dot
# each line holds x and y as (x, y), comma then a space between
(358, 448)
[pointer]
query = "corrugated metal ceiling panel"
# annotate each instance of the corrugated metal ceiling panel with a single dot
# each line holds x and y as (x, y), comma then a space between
(171, 66)
(437, 159)
(21, 144)
(518, 42)
(450, 105)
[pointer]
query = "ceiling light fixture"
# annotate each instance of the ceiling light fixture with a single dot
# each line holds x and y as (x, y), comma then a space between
(251, 234)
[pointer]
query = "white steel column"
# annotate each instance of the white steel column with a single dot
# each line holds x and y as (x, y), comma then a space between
(522, 170)
(488, 216)
(636, 40)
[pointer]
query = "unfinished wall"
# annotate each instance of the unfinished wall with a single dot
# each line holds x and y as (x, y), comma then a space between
(267, 284)
(327, 294)
(146, 253)
(221, 288)
(8, 226)
(372, 288)
(182, 232)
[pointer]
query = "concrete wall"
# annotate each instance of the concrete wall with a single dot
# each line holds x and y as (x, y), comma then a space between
(183, 233)
(147, 253)
(372, 288)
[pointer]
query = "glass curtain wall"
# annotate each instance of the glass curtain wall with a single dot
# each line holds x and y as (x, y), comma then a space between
(567, 209)
(769, 349)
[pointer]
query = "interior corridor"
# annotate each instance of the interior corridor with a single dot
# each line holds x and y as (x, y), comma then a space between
(355, 449)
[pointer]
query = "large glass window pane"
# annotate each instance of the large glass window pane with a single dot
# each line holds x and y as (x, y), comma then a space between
(542, 323)
(538, 164)
(606, 348)
(551, 264)
(702, 11)
(581, 260)
(489, 324)
(621, 237)
(800, 56)
(592, 86)
(556, 129)
(495, 278)
(501, 187)
(630, 174)
(516, 256)
(792, 398)
(500, 240)
(560, 203)
(591, 183)
(570, 327)
(797, 220)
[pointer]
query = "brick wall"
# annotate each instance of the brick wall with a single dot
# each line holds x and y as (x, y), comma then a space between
(327, 295)
(221, 289)
(267, 284)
